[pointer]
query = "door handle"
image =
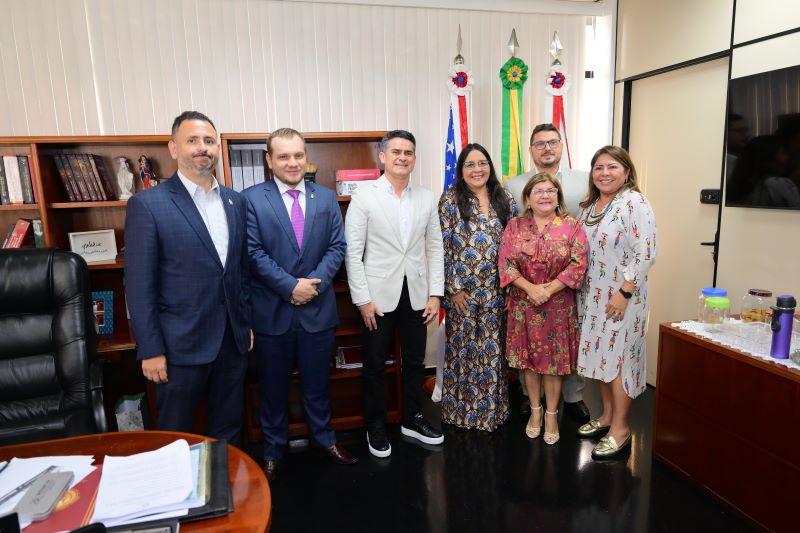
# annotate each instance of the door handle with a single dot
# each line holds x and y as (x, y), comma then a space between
(712, 243)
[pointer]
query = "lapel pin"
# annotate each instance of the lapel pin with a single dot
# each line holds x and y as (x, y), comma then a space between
(230, 201)
(312, 195)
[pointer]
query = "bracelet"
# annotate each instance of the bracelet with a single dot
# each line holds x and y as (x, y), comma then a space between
(625, 294)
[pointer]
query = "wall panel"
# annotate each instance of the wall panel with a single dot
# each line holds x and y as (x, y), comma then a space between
(128, 67)
(653, 34)
(759, 18)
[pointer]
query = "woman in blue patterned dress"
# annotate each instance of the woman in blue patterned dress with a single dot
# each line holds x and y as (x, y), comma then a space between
(473, 214)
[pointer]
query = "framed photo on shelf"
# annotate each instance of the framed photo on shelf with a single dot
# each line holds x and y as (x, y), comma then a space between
(103, 311)
(94, 246)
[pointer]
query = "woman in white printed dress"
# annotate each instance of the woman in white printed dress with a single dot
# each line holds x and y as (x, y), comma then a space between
(621, 229)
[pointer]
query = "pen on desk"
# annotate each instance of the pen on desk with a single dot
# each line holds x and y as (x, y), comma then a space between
(25, 485)
(5, 465)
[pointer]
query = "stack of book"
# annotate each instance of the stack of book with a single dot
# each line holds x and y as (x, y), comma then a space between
(24, 233)
(348, 181)
(16, 186)
(247, 165)
(85, 177)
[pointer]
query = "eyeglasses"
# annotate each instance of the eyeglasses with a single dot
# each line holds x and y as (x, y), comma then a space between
(539, 192)
(480, 164)
(552, 143)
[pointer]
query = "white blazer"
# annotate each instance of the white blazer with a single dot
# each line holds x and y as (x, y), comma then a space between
(376, 258)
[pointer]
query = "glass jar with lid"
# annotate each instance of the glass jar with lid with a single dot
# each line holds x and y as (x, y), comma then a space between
(756, 305)
(716, 312)
(708, 292)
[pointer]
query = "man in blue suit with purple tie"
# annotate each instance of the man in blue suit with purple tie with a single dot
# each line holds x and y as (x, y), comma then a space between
(296, 245)
(187, 285)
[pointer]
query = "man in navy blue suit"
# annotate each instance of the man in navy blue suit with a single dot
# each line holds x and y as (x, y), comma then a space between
(188, 286)
(296, 245)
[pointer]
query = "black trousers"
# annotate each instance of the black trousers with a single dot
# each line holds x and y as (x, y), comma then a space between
(378, 344)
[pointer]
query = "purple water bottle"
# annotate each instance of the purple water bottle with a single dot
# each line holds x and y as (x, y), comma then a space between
(782, 317)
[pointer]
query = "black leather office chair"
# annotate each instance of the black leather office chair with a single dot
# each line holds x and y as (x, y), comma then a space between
(50, 385)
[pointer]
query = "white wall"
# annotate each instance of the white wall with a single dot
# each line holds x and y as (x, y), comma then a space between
(76, 67)
(758, 18)
(657, 33)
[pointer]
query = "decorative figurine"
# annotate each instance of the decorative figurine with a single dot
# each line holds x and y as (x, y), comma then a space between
(124, 179)
(147, 173)
(311, 172)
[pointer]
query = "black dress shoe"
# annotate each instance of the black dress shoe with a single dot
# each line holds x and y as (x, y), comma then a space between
(339, 455)
(419, 428)
(578, 411)
(270, 468)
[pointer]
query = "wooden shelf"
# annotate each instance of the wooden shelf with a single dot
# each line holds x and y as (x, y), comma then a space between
(346, 332)
(107, 266)
(19, 207)
(81, 205)
(120, 340)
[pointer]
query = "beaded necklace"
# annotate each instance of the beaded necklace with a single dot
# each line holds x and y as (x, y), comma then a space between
(592, 218)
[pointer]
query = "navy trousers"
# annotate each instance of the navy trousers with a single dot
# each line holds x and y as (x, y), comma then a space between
(277, 356)
(222, 380)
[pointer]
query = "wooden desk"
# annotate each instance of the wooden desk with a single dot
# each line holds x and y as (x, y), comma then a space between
(729, 422)
(252, 501)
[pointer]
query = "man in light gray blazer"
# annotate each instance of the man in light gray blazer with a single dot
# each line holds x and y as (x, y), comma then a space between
(546, 149)
(395, 268)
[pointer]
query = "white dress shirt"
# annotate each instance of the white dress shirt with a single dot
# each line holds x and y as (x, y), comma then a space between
(212, 211)
(403, 206)
(288, 201)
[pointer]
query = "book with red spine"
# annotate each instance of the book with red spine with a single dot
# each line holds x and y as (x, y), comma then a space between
(22, 234)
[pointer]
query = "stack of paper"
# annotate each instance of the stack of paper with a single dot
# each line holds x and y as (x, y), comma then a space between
(153, 485)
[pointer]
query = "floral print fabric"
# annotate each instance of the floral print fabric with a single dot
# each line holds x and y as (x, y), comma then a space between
(543, 338)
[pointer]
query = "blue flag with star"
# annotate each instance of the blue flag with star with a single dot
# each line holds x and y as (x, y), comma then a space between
(450, 155)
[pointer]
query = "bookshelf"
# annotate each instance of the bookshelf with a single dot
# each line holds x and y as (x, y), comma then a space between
(60, 216)
(329, 152)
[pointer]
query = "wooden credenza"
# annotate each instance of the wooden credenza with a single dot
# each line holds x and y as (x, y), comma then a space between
(730, 423)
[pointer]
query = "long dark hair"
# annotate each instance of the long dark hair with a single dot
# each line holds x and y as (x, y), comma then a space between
(497, 195)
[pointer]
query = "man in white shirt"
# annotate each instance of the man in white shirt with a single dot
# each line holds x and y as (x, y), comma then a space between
(395, 268)
(546, 148)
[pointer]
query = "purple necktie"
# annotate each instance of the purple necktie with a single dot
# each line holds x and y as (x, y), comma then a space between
(298, 220)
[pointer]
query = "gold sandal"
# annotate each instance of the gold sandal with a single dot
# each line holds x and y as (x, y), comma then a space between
(534, 431)
(552, 438)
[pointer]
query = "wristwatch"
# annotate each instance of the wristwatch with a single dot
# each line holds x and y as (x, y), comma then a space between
(627, 295)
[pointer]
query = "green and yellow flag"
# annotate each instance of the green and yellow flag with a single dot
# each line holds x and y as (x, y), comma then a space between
(513, 75)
